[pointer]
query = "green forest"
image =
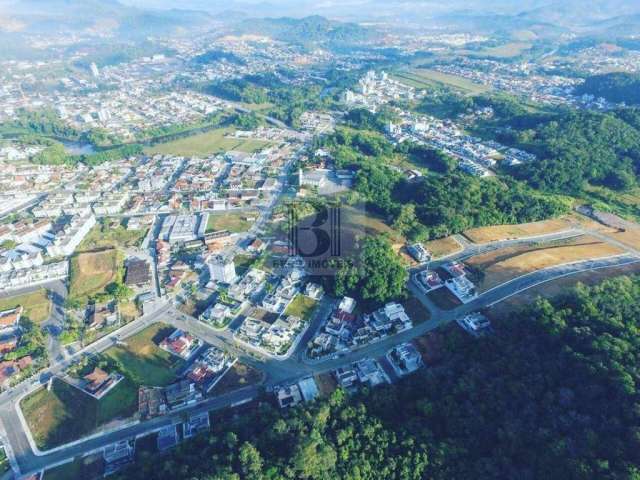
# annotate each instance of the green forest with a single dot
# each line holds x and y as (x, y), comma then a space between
(551, 394)
(442, 202)
(617, 87)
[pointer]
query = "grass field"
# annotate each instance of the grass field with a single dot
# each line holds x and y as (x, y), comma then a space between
(65, 413)
(236, 222)
(503, 265)
(37, 305)
(239, 376)
(430, 77)
(143, 361)
(203, 144)
(509, 232)
(92, 271)
(104, 236)
(301, 307)
(443, 247)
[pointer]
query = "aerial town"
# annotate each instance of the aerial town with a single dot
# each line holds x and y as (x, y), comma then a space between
(222, 235)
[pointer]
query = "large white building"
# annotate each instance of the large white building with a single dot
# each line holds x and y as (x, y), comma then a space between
(68, 239)
(222, 269)
(180, 228)
(33, 276)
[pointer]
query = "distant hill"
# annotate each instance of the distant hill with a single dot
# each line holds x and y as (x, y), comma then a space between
(314, 29)
(102, 16)
(615, 87)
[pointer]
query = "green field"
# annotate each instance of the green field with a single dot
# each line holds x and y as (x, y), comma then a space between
(508, 50)
(302, 307)
(143, 361)
(203, 144)
(65, 413)
(424, 78)
(37, 305)
(234, 222)
(91, 272)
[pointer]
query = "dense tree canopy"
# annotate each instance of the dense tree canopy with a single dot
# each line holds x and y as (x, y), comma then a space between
(616, 87)
(376, 276)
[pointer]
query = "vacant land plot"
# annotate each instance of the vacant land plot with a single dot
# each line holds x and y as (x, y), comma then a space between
(630, 237)
(65, 413)
(443, 247)
(416, 311)
(558, 287)
(503, 265)
(301, 307)
(37, 305)
(143, 361)
(105, 236)
(207, 143)
(239, 376)
(508, 232)
(454, 81)
(326, 384)
(236, 222)
(92, 271)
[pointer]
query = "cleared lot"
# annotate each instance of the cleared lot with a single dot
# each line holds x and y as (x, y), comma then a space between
(498, 267)
(91, 272)
(509, 232)
(443, 247)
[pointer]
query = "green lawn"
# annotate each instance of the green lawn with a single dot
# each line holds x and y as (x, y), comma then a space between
(65, 413)
(143, 361)
(37, 305)
(423, 78)
(302, 307)
(234, 222)
(203, 144)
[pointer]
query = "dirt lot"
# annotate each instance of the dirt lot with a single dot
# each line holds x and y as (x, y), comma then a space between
(503, 265)
(238, 377)
(443, 247)
(91, 272)
(558, 287)
(509, 232)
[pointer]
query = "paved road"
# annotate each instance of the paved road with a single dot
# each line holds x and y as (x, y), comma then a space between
(276, 371)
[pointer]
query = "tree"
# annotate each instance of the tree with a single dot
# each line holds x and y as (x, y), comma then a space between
(250, 461)
(313, 458)
(376, 276)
